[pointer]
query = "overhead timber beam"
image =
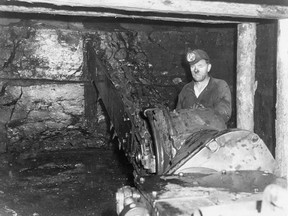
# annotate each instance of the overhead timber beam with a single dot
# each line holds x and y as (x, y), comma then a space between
(43, 10)
(162, 9)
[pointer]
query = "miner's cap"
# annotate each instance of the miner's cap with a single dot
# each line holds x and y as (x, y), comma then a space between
(194, 56)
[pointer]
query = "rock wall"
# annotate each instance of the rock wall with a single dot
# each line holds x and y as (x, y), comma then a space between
(42, 82)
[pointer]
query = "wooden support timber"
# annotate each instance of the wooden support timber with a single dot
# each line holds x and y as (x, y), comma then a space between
(159, 9)
(246, 85)
(282, 98)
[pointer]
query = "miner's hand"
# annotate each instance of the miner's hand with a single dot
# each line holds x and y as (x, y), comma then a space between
(198, 106)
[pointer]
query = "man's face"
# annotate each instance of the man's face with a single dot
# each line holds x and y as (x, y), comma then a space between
(200, 70)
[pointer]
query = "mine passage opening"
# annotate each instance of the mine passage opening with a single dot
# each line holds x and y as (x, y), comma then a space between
(146, 65)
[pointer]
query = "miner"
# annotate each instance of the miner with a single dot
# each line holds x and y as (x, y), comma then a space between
(204, 91)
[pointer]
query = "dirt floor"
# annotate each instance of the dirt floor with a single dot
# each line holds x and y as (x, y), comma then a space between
(64, 182)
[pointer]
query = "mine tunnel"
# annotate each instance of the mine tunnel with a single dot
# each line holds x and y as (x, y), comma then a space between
(74, 88)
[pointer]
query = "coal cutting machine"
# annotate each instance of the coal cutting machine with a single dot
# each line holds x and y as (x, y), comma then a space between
(187, 162)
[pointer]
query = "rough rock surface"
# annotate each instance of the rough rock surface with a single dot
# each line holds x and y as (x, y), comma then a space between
(28, 52)
(42, 86)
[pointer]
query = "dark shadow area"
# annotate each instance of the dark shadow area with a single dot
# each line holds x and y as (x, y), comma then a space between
(64, 182)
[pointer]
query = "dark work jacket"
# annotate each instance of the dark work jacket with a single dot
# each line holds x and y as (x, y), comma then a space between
(216, 96)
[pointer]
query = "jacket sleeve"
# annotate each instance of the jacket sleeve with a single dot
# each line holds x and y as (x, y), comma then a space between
(223, 105)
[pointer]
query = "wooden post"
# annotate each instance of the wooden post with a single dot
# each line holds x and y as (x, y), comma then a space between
(246, 85)
(281, 125)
